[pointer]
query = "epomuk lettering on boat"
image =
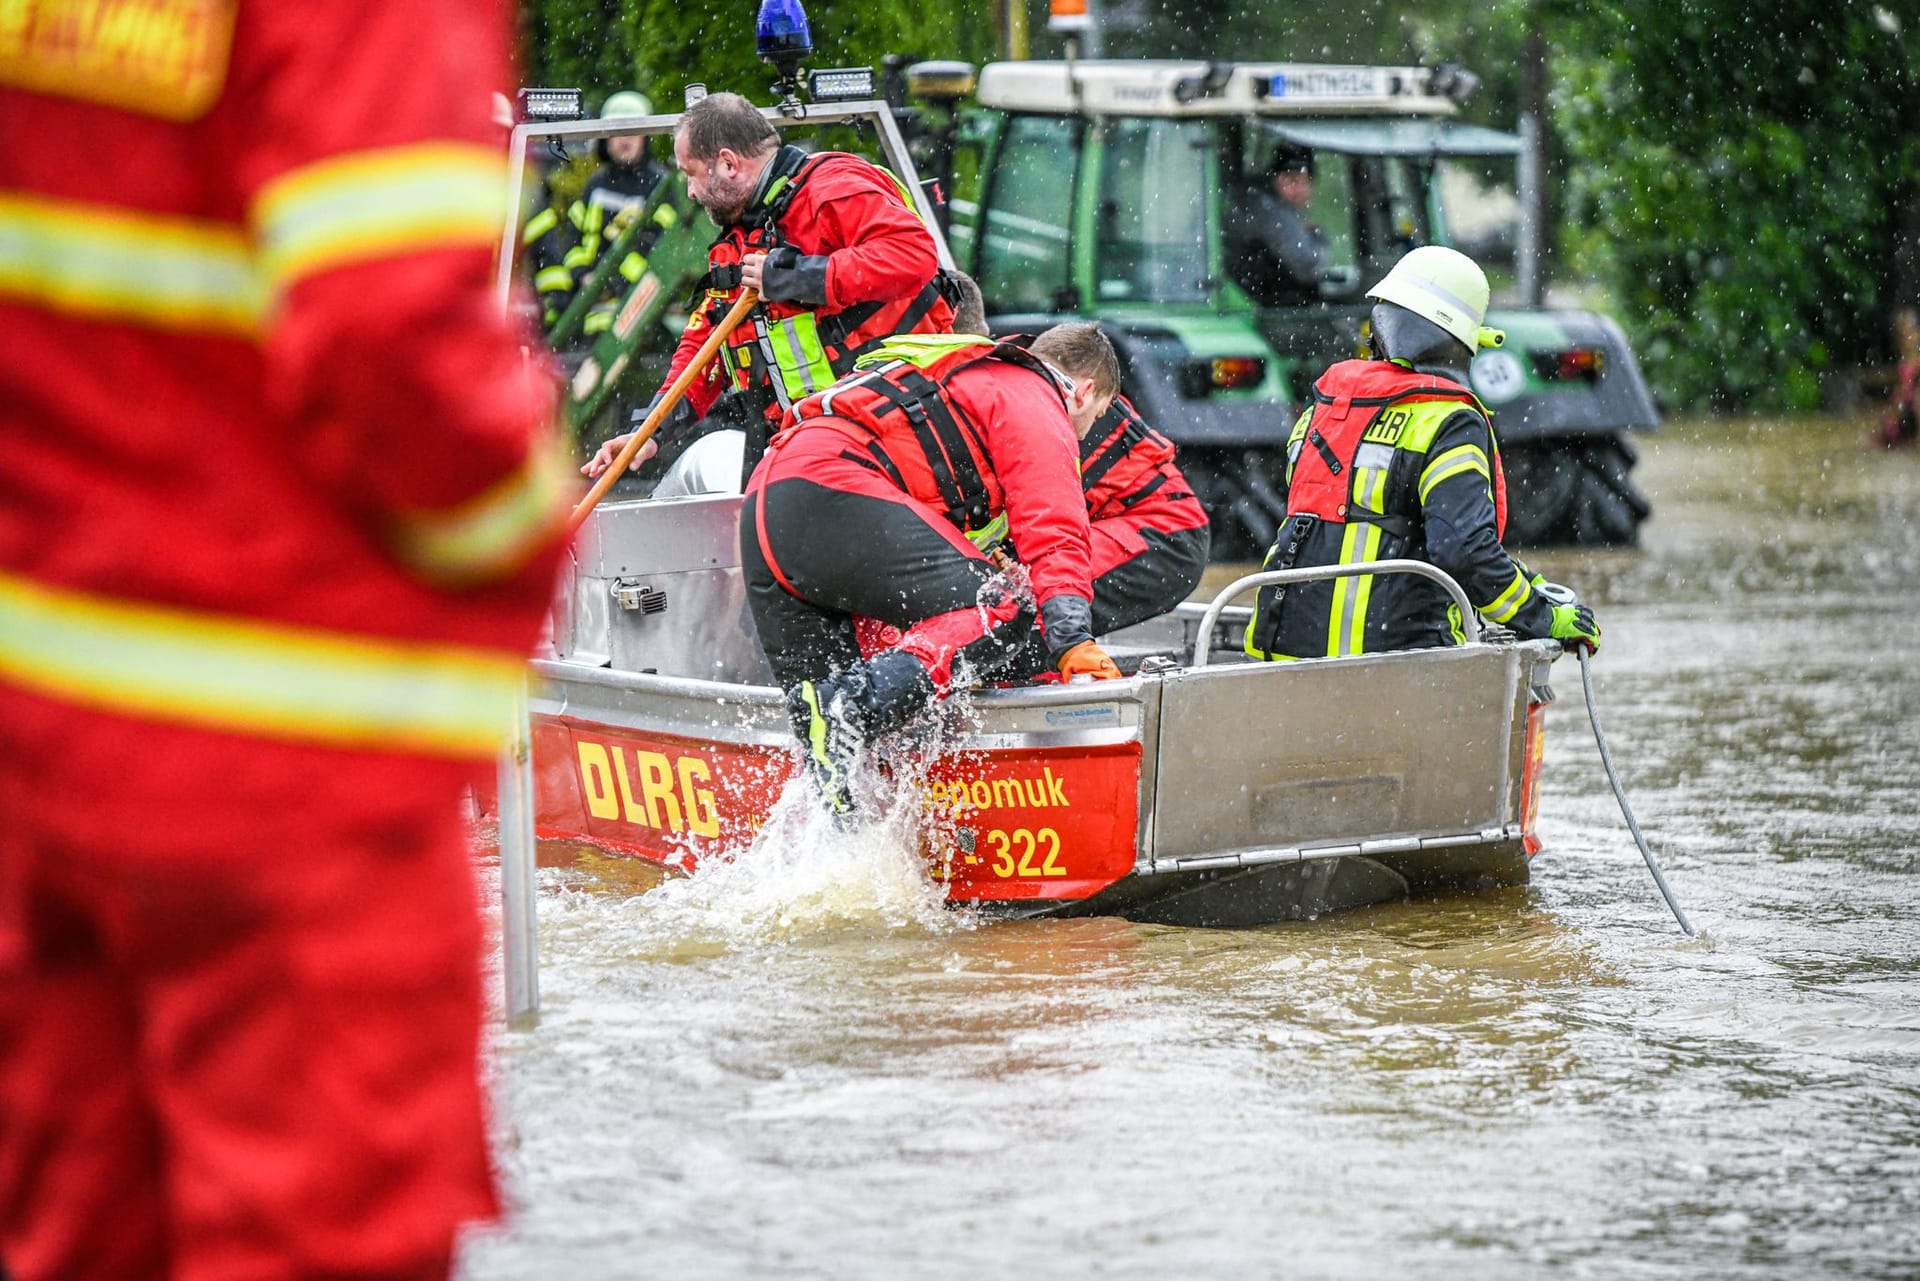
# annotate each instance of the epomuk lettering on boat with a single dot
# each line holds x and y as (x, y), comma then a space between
(1044, 790)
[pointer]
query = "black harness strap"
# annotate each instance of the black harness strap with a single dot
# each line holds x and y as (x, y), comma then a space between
(879, 462)
(1145, 491)
(1327, 456)
(961, 487)
(1294, 530)
(1117, 447)
(837, 328)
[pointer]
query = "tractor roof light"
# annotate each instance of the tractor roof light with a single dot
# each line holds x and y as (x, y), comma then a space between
(1453, 82)
(1068, 17)
(941, 82)
(840, 84)
(546, 105)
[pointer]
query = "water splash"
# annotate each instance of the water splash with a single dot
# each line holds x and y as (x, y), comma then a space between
(802, 875)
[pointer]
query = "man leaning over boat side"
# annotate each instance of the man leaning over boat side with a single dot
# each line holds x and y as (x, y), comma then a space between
(876, 500)
(1148, 535)
(1395, 458)
(271, 561)
(838, 257)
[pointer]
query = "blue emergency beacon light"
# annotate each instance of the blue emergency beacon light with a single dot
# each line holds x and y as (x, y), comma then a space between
(782, 37)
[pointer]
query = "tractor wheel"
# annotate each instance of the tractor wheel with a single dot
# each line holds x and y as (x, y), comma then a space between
(1573, 491)
(1240, 488)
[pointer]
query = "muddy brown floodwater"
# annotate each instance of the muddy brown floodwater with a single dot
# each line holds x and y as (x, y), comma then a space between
(806, 1070)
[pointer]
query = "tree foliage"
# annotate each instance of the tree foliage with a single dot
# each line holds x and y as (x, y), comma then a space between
(1737, 173)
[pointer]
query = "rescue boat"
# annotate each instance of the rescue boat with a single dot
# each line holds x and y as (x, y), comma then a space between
(1201, 790)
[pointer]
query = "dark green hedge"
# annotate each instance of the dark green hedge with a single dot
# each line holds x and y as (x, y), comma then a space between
(1739, 168)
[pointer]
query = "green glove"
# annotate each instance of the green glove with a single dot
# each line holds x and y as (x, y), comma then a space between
(1573, 624)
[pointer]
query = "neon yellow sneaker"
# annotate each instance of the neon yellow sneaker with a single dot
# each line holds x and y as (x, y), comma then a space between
(829, 743)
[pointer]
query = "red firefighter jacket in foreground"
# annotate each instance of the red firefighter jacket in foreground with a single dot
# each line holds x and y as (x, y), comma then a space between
(880, 264)
(259, 416)
(1002, 448)
(275, 536)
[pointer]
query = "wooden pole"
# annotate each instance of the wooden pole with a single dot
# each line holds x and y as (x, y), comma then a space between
(695, 368)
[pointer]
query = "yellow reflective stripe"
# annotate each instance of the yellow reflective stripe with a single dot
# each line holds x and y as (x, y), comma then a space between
(552, 279)
(539, 225)
(1363, 591)
(920, 350)
(1426, 418)
(1508, 603)
(254, 677)
(665, 216)
(598, 321)
(581, 255)
(801, 360)
(374, 204)
(990, 533)
(1246, 640)
(633, 266)
(494, 532)
(1461, 458)
(151, 269)
(1347, 620)
(1370, 488)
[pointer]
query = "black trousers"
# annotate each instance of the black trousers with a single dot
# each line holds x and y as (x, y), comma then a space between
(870, 551)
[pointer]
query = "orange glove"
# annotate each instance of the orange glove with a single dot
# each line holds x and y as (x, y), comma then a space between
(1088, 659)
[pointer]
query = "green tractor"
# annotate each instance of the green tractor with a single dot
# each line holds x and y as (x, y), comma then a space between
(1108, 191)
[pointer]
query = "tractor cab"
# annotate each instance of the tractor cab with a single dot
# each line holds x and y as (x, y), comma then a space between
(1133, 193)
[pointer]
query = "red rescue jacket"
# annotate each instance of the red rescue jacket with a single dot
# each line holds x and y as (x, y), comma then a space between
(976, 430)
(881, 274)
(1128, 473)
(233, 494)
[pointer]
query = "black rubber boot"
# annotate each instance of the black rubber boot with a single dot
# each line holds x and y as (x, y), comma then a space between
(895, 688)
(838, 715)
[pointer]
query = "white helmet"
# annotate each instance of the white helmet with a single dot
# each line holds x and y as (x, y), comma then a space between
(1444, 286)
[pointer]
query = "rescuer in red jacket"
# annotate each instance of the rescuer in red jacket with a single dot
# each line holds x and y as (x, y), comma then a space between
(876, 499)
(1148, 532)
(839, 259)
(270, 560)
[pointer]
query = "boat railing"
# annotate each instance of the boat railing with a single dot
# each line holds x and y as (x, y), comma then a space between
(1203, 642)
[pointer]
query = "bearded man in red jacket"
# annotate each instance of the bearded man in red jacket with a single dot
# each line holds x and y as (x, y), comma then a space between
(828, 241)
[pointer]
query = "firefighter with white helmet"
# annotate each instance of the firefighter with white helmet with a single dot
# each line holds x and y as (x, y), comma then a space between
(1395, 458)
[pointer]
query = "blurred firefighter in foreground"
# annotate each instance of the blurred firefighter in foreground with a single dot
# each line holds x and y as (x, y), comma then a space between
(829, 242)
(1394, 458)
(877, 499)
(265, 593)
